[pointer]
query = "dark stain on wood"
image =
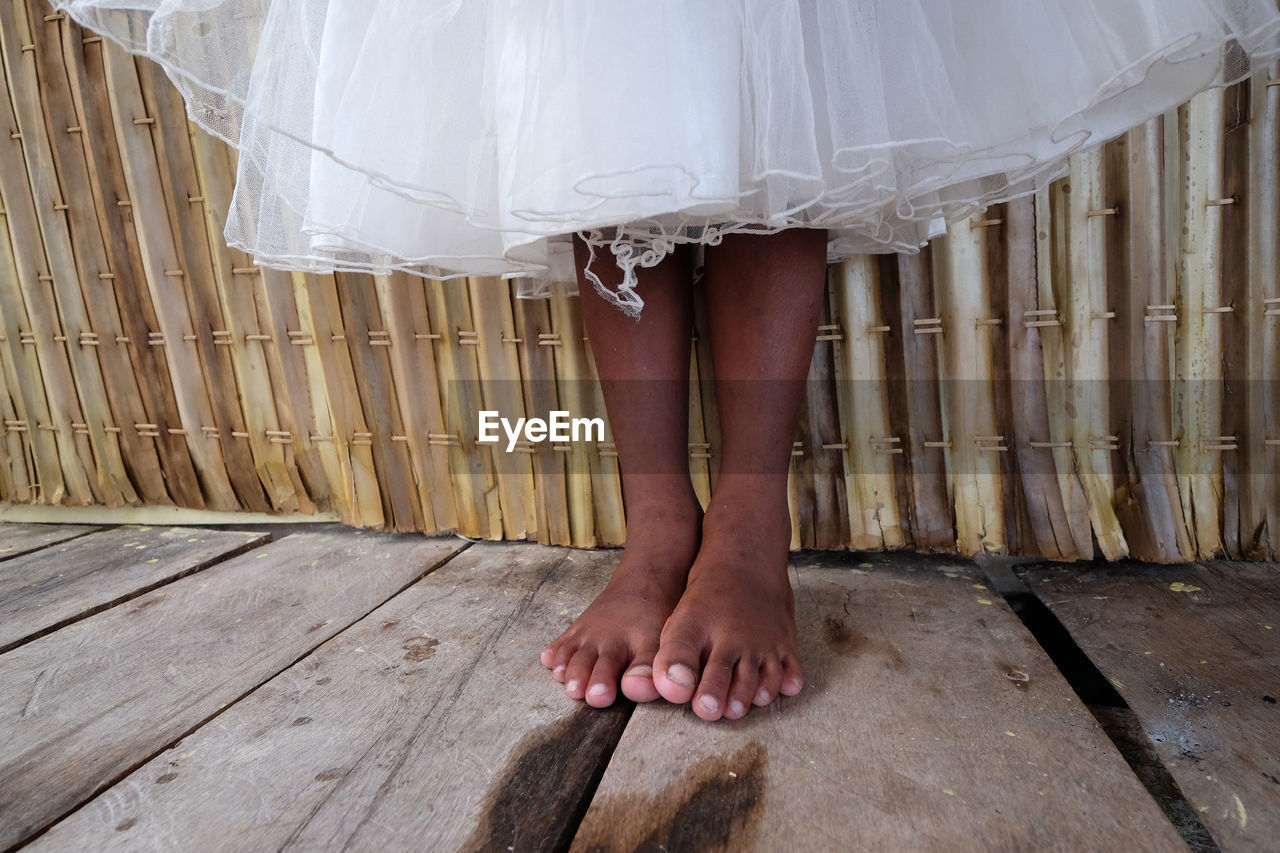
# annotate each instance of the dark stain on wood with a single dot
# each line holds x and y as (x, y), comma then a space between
(717, 805)
(302, 721)
(847, 643)
(390, 623)
(540, 796)
(127, 824)
(166, 778)
(316, 627)
(418, 649)
(838, 637)
(328, 775)
(320, 682)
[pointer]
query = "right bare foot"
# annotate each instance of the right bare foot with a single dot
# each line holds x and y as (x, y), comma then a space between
(612, 644)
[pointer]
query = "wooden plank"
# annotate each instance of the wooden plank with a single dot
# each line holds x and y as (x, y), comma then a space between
(862, 398)
(123, 259)
(966, 371)
(48, 589)
(81, 707)
(916, 410)
(19, 539)
(1193, 651)
(1030, 320)
(179, 182)
(105, 372)
(1149, 505)
(430, 724)
(157, 249)
(930, 719)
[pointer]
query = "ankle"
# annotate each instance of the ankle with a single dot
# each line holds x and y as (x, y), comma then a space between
(663, 515)
(750, 503)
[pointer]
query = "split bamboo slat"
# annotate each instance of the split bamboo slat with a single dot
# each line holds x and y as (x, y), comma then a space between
(1092, 370)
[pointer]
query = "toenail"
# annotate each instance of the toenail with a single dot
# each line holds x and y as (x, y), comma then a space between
(681, 675)
(598, 689)
(641, 671)
(571, 686)
(559, 670)
(762, 698)
(736, 708)
(710, 703)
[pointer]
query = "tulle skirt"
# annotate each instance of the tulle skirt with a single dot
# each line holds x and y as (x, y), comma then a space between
(476, 137)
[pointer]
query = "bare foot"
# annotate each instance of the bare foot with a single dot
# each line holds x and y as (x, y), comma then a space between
(731, 641)
(613, 642)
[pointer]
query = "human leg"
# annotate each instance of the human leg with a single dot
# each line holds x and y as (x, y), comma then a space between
(731, 640)
(644, 374)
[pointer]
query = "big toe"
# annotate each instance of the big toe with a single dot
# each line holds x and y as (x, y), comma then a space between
(675, 671)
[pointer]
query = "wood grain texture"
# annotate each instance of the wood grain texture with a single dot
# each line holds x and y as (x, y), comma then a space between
(1148, 505)
(916, 411)
(930, 721)
(1193, 651)
(179, 181)
(1029, 319)
(817, 473)
(429, 725)
(967, 373)
(82, 706)
(17, 539)
(120, 241)
(862, 398)
(157, 252)
(104, 373)
(25, 175)
(64, 583)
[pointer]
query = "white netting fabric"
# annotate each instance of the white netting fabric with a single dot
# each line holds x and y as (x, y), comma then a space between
(452, 138)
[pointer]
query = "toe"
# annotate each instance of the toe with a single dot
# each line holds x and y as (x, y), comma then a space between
(713, 687)
(602, 686)
(770, 681)
(637, 681)
(675, 671)
(792, 676)
(746, 680)
(560, 662)
(578, 672)
(557, 648)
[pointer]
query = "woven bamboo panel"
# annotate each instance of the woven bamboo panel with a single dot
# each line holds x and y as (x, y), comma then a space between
(1091, 371)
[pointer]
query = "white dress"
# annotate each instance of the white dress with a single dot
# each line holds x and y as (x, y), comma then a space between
(475, 137)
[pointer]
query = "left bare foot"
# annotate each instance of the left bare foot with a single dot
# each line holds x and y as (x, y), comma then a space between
(731, 641)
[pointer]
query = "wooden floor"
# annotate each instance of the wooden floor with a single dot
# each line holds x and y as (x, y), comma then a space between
(213, 689)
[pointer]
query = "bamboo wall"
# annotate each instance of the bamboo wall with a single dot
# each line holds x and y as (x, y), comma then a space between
(1091, 371)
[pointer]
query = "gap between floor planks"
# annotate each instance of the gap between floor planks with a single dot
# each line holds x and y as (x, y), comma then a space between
(931, 720)
(511, 801)
(85, 705)
(67, 581)
(429, 724)
(1193, 651)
